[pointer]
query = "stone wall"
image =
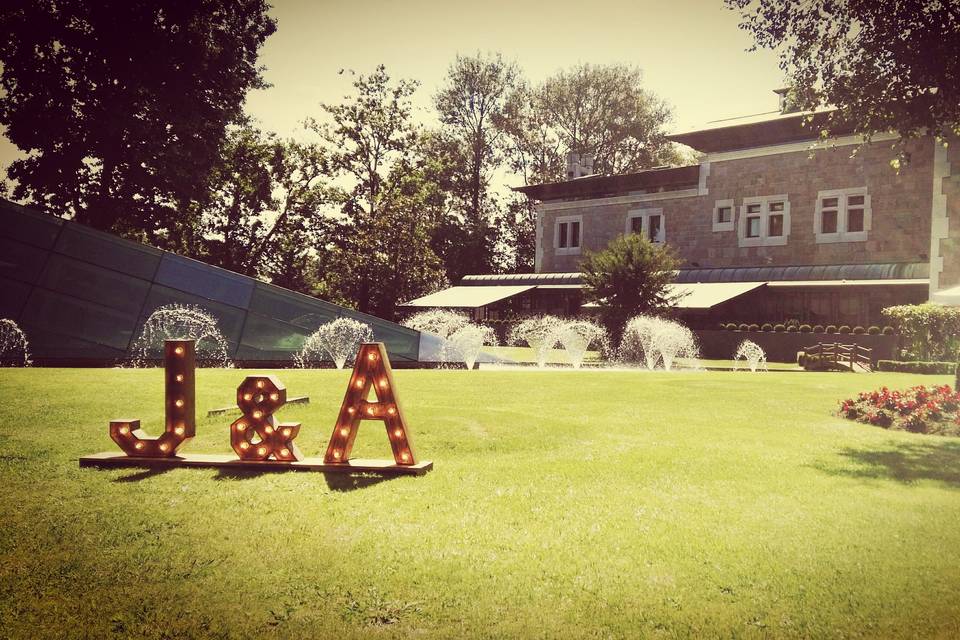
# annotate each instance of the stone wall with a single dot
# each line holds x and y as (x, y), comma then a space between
(901, 206)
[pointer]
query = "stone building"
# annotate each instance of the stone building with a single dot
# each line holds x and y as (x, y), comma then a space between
(771, 225)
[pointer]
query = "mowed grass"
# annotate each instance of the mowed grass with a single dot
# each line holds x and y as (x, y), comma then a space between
(563, 504)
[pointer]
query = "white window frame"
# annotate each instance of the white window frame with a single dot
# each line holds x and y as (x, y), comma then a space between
(731, 224)
(842, 235)
(644, 215)
(567, 251)
(764, 239)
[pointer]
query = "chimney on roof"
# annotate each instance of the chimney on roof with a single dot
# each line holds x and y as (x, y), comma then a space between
(788, 102)
(579, 165)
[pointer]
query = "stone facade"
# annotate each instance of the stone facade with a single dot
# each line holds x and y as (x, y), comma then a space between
(900, 204)
(945, 242)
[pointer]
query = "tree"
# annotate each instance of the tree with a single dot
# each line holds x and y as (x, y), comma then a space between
(469, 104)
(629, 277)
(885, 66)
(603, 110)
(122, 106)
(381, 252)
(263, 216)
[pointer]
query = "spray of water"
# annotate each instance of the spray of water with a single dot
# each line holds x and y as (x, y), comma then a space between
(467, 342)
(752, 354)
(14, 348)
(338, 340)
(181, 322)
(541, 333)
(657, 341)
(577, 336)
(438, 322)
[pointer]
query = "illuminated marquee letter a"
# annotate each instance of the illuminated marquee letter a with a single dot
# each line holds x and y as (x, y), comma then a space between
(372, 371)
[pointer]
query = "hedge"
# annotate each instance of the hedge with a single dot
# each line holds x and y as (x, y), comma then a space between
(918, 366)
(929, 331)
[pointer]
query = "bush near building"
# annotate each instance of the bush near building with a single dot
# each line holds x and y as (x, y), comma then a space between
(939, 368)
(928, 331)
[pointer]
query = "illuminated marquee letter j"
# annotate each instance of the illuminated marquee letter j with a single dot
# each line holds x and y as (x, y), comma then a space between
(179, 362)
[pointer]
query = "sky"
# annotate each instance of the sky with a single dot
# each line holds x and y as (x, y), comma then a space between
(691, 51)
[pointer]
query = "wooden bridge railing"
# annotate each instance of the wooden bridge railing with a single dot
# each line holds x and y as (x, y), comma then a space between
(844, 355)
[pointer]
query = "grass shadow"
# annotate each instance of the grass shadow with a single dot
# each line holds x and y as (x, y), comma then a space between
(143, 474)
(906, 463)
(338, 481)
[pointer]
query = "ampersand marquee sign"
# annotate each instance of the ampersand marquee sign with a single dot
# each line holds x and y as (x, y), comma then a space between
(256, 437)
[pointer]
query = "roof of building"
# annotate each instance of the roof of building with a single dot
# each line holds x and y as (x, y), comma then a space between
(807, 273)
(648, 181)
(759, 130)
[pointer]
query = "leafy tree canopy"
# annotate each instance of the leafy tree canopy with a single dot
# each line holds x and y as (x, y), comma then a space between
(885, 66)
(629, 277)
(122, 105)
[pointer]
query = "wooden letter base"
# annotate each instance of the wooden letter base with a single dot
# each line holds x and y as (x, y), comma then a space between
(114, 460)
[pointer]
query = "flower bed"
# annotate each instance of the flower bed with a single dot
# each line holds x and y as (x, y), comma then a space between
(918, 409)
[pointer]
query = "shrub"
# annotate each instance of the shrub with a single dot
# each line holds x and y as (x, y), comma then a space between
(888, 331)
(754, 327)
(805, 328)
(818, 328)
(858, 330)
(743, 327)
(831, 328)
(918, 409)
(873, 330)
(731, 326)
(844, 329)
(779, 328)
(791, 328)
(900, 366)
(819, 363)
(929, 331)
(766, 326)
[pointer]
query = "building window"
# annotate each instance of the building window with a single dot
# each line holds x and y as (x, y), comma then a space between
(764, 221)
(842, 215)
(649, 222)
(723, 215)
(568, 235)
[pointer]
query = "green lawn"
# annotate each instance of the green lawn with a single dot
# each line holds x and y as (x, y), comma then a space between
(562, 505)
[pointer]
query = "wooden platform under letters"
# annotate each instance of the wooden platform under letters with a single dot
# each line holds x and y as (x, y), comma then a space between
(113, 460)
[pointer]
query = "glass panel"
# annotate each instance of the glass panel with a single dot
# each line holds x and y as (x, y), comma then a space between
(268, 339)
(292, 308)
(13, 295)
(723, 214)
(636, 224)
(828, 222)
(654, 224)
(26, 225)
(753, 208)
(229, 319)
(563, 235)
(205, 281)
(855, 220)
(86, 281)
(854, 200)
(776, 206)
(20, 261)
(753, 227)
(574, 234)
(829, 203)
(50, 344)
(108, 251)
(50, 311)
(775, 225)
